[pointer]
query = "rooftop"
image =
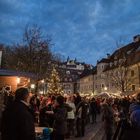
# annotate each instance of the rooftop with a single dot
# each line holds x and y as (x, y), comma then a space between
(5, 72)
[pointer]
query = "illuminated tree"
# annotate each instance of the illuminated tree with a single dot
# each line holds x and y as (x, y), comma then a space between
(54, 86)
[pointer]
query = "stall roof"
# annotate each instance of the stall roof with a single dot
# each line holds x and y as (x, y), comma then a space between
(5, 72)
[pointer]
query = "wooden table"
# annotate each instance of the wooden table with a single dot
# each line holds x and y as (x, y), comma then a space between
(39, 130)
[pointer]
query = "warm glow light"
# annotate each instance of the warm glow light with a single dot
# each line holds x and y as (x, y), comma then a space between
(42, 81)
(28, 80)
(32, 86)
(41, 92)
(105, 88)
(18, 80)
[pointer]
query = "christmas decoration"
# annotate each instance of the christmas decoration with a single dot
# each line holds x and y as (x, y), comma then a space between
(54, 86)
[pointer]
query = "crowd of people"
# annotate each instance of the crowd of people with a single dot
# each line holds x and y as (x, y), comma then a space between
(68, 116)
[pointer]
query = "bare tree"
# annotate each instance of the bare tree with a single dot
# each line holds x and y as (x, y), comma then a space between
(33, 55)
(119, 78)
(119, 72)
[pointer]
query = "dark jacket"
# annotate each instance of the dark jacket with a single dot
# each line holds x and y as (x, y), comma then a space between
(129, 133)
(17, 123)
(93, 107)
(60, 120)
(132, 131)
(107, 117)
(83, 106)
(46, 120)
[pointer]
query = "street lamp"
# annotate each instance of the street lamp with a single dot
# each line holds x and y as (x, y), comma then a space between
(42, 81)
(41, 92)
(18, 80)
(32, 86)
(105, 88)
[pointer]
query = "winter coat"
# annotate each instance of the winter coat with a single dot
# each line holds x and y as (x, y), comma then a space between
(71, 114)
(133, 107)
(60, 120)
(93, 107)
(17, 123)
(45, 119)
(81, 110)
(130, 133)
(107, 117)
(77, 100)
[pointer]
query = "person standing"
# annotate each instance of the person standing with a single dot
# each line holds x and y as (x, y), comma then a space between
(60, 118)
(108, 119)
(81, 115)
(17, 120)
(93, 110)
(71, 116)
(77, 99)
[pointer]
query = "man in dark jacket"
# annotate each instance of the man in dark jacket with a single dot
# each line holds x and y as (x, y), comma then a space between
(132, 131)
(17, 121)
(93, 110)
(81, 114)
(60, 118)
(77, 99)
(107, 117)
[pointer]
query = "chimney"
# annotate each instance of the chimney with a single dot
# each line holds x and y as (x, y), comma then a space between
(108, 55)
(136, 38)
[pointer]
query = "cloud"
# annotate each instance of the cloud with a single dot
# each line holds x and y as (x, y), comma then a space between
(86, 29)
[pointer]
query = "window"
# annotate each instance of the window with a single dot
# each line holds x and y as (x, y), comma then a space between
(65, 79)
(102, 85)
(67, 72)
(70, 79)
(115, 62)
(132, 73)
(111, 64)
(95, 77)
(133, 87)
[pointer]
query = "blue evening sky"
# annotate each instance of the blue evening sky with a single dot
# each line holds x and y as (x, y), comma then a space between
(85, 29)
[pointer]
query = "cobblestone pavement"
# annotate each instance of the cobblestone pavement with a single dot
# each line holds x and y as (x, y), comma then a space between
(93, 132)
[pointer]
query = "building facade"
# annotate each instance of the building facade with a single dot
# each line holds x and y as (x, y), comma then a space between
(70, 72)
(120, 72)
(86, 83)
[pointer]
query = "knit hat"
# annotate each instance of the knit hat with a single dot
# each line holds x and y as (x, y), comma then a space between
(21, 93)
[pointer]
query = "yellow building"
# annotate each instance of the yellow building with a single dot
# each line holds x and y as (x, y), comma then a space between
(119, 73)
(86, 85)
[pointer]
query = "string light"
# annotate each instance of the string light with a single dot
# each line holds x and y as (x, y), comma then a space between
(54, 86)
